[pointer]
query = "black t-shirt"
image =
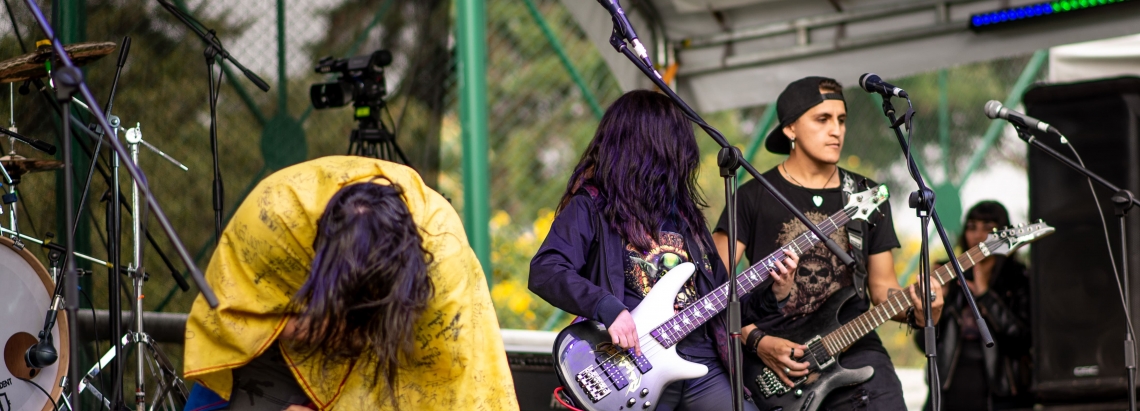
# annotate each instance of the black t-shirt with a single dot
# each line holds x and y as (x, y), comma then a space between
(643, 269)
(764, 225)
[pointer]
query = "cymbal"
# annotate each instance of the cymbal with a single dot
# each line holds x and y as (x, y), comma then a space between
(31, 65)
(18, 165)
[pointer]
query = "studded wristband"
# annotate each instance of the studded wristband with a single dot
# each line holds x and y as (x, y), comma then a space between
(753, 340)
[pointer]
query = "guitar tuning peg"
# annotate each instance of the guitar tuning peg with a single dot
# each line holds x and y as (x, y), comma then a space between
(1040, 221)
(995, 230)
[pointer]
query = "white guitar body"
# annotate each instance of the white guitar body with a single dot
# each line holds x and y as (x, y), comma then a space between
(579, 346)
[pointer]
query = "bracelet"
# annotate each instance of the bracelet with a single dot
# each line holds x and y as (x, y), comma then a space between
(911, 321)
(753, 340)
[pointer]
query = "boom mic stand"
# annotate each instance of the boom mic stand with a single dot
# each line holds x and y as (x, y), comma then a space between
(923, 203)
(69, 80)
(1123, 200)
(729, 159)
(213, 50)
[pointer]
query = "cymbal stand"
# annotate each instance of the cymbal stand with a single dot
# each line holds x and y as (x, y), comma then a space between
(169, 383)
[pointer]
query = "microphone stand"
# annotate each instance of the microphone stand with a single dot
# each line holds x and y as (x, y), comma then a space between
(923, 203)
(1123, 200)
(729, 159)
(213, 50)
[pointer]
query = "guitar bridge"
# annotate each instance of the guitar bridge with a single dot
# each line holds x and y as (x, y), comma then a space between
(593, 384)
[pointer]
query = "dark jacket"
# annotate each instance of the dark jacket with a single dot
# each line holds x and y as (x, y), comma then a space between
(574, 274)
(1005, 307)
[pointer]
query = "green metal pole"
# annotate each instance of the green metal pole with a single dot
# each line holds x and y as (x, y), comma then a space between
(1027, 76)
(471, 20)
(561, 51)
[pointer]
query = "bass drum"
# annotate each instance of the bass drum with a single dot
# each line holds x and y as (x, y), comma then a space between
(25, 295)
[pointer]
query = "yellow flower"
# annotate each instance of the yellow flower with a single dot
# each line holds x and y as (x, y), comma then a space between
(542, 224)
(500, 219)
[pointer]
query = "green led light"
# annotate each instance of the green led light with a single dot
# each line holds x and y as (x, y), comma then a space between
(1065, 6)
(1083, 3)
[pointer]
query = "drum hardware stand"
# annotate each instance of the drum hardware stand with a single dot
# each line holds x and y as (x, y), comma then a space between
(69, 79)
(169, 384)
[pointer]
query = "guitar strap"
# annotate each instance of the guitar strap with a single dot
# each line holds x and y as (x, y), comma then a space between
(857, 231)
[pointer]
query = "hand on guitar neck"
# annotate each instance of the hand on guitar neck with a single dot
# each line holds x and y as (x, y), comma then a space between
(916, 301)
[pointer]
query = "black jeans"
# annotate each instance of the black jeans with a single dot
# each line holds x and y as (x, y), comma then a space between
(711, 392)
(265, 384)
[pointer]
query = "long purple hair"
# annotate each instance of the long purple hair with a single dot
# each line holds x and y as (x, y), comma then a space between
(644, 160)
(368, 284)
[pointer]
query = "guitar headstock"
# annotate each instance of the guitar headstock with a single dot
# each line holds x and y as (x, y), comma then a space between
(1009, 239)
(865, 202)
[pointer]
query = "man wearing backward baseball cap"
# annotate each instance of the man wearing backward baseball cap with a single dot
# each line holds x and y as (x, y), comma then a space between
(812, 130)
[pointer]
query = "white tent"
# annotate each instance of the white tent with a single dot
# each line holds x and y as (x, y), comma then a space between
(1113, 57)
(738, 53)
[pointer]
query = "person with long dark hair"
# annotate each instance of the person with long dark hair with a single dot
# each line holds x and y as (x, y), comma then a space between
(630, 213)
(812, 132)
(346, 283)
(973, 377)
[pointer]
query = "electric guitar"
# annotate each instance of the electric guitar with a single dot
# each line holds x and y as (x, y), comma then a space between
(827, 339)
(600, 375)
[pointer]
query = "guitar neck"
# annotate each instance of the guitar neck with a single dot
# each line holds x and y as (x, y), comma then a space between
(676, 328)
(897, 302)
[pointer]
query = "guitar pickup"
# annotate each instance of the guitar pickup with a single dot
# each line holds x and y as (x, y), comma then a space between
(820, 359)
(615, 375)
(643, 364)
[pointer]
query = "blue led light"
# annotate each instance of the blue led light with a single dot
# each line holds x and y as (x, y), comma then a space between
(1035, 10)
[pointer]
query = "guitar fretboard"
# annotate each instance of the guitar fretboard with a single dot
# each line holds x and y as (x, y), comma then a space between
(676, 328)
(897, 302)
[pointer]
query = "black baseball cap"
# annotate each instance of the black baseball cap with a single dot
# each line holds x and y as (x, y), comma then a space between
(794, 101)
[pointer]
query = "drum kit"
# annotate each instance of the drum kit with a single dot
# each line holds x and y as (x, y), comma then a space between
(34, 326)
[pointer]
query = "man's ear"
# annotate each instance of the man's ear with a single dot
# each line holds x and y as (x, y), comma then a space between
(790, 131)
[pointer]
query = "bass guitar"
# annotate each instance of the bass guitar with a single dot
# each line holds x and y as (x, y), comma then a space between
(827, 339)
(599, 375)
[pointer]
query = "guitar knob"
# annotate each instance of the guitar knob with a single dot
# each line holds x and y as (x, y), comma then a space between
(799, 393)
(644, 392)
(631, 402)
(646, 405)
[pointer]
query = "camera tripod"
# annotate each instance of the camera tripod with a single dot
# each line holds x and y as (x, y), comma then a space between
(372, 138)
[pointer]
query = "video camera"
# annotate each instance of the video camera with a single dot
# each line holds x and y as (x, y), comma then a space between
(361, 81)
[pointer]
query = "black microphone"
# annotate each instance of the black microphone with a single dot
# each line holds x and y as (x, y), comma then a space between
(43, 354)
(622, 26)
(995, 110)
(873, 84)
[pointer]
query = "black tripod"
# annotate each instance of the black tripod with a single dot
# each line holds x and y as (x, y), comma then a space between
(373, 138)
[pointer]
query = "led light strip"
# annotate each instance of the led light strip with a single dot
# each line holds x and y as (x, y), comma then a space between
(1035, 11)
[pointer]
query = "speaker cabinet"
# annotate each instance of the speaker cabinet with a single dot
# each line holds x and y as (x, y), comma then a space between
(1078, 317)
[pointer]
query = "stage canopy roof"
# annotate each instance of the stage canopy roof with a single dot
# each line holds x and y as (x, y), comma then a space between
(739, 53)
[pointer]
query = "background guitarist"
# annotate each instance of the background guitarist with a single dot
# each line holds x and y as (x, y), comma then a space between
(630, 213)
(974, 378)
(812, 128)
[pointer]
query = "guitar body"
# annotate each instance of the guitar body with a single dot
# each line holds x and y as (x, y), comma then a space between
(602, 376)
(817, 385)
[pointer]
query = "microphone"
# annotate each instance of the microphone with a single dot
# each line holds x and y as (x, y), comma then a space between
(873, 84)
(995, 110)
(622, 26)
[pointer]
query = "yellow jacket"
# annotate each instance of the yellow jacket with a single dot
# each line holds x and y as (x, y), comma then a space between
(264, 257)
